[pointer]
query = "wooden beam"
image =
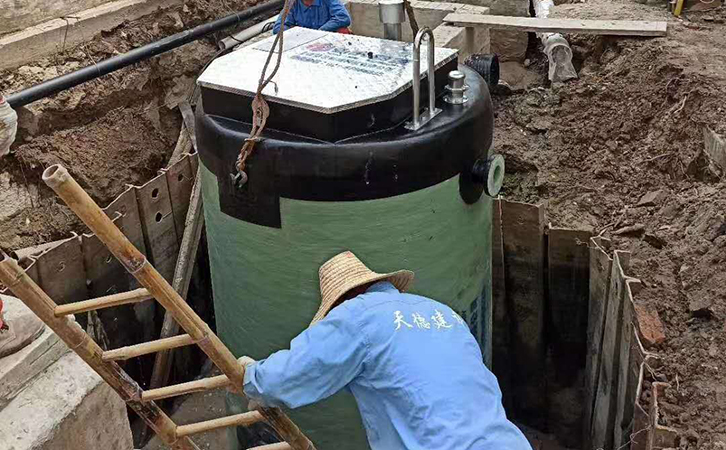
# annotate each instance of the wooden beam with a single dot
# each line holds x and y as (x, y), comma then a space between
(205, 384)
(602, 27)
(238, 420)
(107, 301)
(133, 351)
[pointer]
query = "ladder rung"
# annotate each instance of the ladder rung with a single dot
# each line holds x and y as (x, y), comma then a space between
(275, 446)
(123, 298)
(238, 420)
(185, 388)
(133, 351)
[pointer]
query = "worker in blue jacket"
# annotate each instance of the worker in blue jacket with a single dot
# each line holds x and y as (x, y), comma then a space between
(326, 15)
(411, 363)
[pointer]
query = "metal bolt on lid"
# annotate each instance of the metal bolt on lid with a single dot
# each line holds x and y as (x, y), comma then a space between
(456, 88)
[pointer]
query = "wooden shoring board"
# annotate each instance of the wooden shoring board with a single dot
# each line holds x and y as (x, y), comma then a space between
(62, 273)
(639, 359)
(626, 384)
(603, 418)
(180, 179)
(568, 273)
(157, 221)
(500, 333)
(540, 25)
(524, 254)
(660, 436)
(600, 270)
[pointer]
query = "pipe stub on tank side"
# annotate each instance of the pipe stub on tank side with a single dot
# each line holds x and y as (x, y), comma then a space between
(490, 172)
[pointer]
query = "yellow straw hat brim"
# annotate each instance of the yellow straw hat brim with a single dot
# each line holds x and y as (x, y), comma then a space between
(344, 272)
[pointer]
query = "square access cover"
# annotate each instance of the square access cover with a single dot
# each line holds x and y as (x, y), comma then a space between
(322, 71)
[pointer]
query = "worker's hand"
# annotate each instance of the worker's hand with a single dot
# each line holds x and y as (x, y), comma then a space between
(245, 361)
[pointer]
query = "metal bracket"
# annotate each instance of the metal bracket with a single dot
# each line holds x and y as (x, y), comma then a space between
(419, 119)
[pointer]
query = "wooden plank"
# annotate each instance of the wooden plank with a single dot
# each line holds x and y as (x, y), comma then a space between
(62, 273)
(146, 348)
(501, 355)
(636, 366)
(123, 298)
(600, 270)
(568, 259)
(204, 384)
(180, 179)
(641, 420)
(625, 391)
(603, 418)
(237, 420)
(524, 248)
(537, 25)
(157, 221)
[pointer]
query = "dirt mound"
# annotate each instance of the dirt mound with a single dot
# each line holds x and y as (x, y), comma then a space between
(116, 130)
(619, 148)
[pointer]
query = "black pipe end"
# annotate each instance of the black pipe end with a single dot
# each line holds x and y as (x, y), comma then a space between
(485, 65)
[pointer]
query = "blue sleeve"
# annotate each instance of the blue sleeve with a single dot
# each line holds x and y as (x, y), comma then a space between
(339, 17)
(321, 361)
(289, 20)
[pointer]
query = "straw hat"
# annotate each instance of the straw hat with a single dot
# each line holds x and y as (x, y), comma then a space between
(344, 272)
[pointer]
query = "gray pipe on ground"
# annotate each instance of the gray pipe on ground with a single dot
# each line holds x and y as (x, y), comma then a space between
(556, 47)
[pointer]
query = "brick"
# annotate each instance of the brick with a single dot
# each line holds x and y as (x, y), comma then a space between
(650, 327)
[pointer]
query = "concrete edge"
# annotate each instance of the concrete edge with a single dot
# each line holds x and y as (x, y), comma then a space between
(56, 35)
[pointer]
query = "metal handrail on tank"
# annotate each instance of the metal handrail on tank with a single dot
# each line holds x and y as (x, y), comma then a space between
(419, 121)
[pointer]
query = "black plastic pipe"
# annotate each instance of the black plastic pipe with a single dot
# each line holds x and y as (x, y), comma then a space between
(107, 66)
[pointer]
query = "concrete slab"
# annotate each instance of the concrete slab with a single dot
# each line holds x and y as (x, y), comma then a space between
(18, 369)
(56, 35)
(68, 406)
(15, 15)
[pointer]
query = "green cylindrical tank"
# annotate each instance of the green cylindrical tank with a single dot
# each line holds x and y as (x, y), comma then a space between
(319, 184)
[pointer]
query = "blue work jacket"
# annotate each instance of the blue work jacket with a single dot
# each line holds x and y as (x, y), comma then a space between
(326, 15)
(412, 364)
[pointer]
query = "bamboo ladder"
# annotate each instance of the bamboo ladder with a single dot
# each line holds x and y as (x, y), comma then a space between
(59, 319)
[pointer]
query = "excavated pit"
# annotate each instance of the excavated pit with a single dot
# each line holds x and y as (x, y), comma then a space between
(620, 147)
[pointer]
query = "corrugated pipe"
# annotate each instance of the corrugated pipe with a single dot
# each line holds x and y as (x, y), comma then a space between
(107, 66)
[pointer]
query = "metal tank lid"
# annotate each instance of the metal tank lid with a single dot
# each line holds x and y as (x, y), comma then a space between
(322, 71)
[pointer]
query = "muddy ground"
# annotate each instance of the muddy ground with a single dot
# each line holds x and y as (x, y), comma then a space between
(621, 147)
(119, 129)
